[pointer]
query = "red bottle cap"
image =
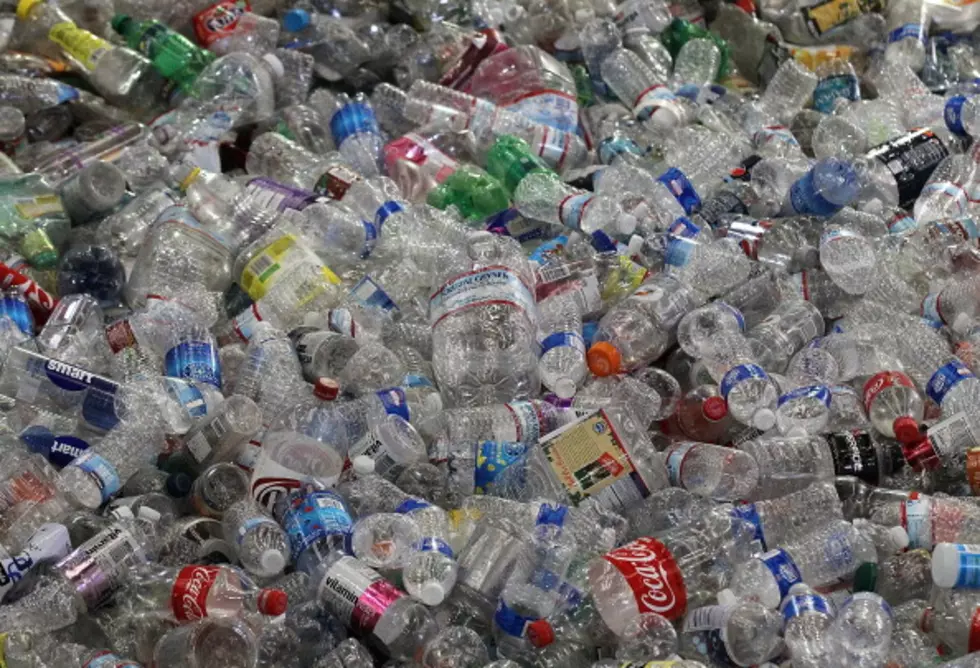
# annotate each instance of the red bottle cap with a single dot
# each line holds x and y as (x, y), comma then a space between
(906, 429)
(540, 633)
(714, 408)
(272, 602)
(920, 455)
(326, 389)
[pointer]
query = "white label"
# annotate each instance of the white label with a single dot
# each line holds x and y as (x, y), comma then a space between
(491, 285)
(953, 436)
(707, 618)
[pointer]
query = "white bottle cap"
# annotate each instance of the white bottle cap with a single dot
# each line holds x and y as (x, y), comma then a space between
(945, 565)
(664, 118)
(635, 245)
(432, 593)
(363, 465)
(626, 224)
(727, 598)
(149, 514)
(899, 538)
(962, 323)
(272, 561)
(275, 65)
(764, 419)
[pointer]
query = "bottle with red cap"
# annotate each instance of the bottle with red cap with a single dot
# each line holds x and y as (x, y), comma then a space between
(194, 591)
(701, 415)
(894, 405)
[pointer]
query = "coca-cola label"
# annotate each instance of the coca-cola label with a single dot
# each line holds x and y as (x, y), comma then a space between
(881, 381)
(653, 575)
(218, 20)
(188, 598)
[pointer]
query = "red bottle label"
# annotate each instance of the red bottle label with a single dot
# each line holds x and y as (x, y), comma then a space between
(188, 598)
(883, 380)
(653, 575)
(218, 20)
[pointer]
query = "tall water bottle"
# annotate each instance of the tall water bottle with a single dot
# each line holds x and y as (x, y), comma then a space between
(262, 545)
(712, 470)
(355, 131)
(747, 389)
(317, 522)
(476, 364)
(808, 629)
(562, 365)
(639, 87)
(906, 34)
(863, 629)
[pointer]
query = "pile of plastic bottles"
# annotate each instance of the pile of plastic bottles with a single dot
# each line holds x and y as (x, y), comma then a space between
(489, 333)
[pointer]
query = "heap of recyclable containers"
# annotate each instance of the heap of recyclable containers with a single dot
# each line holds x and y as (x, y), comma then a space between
(489, 333)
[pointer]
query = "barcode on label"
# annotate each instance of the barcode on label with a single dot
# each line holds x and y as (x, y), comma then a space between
(123, 551)
(557, 272)
(199, 447)
(261, 264)
(264, 198)
(953, 435)
(706, 618)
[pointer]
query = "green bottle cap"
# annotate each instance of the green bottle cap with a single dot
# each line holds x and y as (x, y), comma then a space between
(866, 577)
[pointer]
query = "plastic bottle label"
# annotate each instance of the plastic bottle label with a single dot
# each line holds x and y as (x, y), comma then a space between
(80, 44)
(651, 99)
(805, 199)
(854, 454)
(97, 566)
(706, 618)
(911, 159)
(106, 659)
(612, 147)
(838, 552)
(16, 308)
(569, 339)
(831, 89)
(739, 318)
(66, 449)
(352, 119)
(968, 569)
(386, 211)
(749, 513)
(433, 544)
(491, 285)
(411, 505)
(335, 182)
(784, 571)
(357, 594)
(250, 525)
(681, 188)
(219, 20)
(907, 31)
(101, 471)
(675, 462)
(829, 14)
(801, 604)
(819, 393)
(269, 194)
(481, 46)
(916, 514)
(551, 514)
(949, 190)
(369, 294)
(510, 622)
(553, 108)
(590, 461)
(738, 374)
(313, 517)
(953, 114)
(189, 595)
(196, 360)
(945, 379)
(653, 576)
(882, 381)
(901, 222)
(187, 396)
(572, 208)
(954, 435)
(553, 146)
(492, 458)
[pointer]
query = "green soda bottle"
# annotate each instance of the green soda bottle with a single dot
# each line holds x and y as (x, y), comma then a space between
(173, 55)
(680, 31)
(510, 159)
(476, 194)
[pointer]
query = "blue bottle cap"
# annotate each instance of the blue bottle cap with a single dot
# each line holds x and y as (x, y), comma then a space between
(295, 20)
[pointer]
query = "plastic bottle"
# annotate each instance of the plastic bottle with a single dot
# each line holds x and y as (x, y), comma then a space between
(262, 545)
(172, 54)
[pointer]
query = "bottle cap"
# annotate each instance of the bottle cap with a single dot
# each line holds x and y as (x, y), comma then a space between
(326, 388)
(272, 602)
(295, 20)
(962, 323)
(275, 65)
(540, 633)
(626, 224)
(119, 22)
(764, 419)
(178, 484)
(604, 359)
(906, 429)
(432, 402)
(432, 593)
(148, 514)
(727, 598)
(635, 245)
(714, 408)
(898, 538)
(24, 7)
(564, 388)
(945, 565)
(920, 455)
(664, 118)
(272, 561)
(866, 577)
(363, 465)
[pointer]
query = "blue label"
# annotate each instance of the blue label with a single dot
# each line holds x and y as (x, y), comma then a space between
(492, 458)
(15, 307)
(739, 318)
(801, 604)
(351, 119)
(99, 404)
(589, 331)
(386, 211)
(682, 190)
(689, 91)
(677, 252)
(819, 392)
(602, 242)
(188, 396)
(59, 450)
(101, 471)
(394, 401)
(313, 517)
(953, 114)
(433, 544)
(906, 31)
(783, 570)
(411, 505)
(945, 379)
(805, 199)
(969, 567)
(66, 93)
(562, 339)
(830, 89)
(370, 239)
(738, 374)
(549, 249)
(369, 294)
(749, 513)
(612, 147)
(683, 227)
(511, 623)
(416, 380)
(197, 360)
(551, 514)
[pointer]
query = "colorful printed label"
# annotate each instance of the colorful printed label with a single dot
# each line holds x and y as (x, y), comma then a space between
(195, 360)
(491, 285)
(101, 471)
(651, 99)
(882, 381)
(510, 621)
(357, 594)
(352, 119)
(313, 517)
(80, 44)
(784, 571)
(188, 598)
(915, 514)
(802, 604)
(819, 393)
(571, 209)
(945, 379)
(681, 188)
(675, 462)
(492, 458)
(831, 89)
(749, 513)
(653, 576)
(908, 31)
(219, 20)
(739, 374)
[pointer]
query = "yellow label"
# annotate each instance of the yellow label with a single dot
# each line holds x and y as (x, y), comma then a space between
(588, 457)
(624, 279)
(813, 56)
(80, 44)
(263, 270)
(35, 207)
(829, 14)
(3, 650)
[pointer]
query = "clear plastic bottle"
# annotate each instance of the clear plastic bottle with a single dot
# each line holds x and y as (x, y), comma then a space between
(697, 329)
(697, 63)
(543, 197)
(562, 365)
(262, 545)
(354, 128)
(862, 631)
(809, 623)
(207, 641)
(639, 87)
(711, 470)
(789, 518)
(282, 159)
